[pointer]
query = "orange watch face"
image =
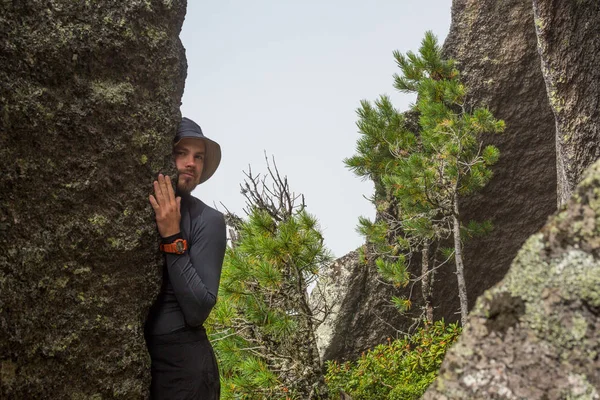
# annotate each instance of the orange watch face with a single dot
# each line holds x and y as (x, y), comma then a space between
(178, 247)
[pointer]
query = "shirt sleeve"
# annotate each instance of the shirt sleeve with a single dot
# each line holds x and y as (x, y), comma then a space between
(195, 275)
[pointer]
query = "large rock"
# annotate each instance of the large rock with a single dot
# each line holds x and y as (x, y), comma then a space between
(536, 335)
(360, 314)
(569, 48)
(89, 98)
(495, 46)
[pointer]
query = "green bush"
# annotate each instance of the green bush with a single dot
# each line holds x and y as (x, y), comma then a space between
(399, 370)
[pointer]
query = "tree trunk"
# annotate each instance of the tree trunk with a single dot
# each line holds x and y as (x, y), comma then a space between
(426, 282)
(460, 270)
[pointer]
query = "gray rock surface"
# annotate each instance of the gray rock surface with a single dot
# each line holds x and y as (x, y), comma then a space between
(361, 314)
(495, 46)
(327, 298)
(569, 46)
(536, 335)
(89, 100)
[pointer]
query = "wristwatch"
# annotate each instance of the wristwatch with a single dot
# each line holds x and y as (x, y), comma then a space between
(179, 246)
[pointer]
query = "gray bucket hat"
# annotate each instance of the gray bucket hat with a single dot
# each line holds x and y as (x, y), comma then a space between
(189, 129)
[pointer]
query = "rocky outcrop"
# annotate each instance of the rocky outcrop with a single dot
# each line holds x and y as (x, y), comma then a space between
(569, 48)
(536, 335)
(89, 99)
(495, 46)
(327, 298)
(359, 312)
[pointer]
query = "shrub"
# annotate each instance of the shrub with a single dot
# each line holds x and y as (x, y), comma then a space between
(399, 370)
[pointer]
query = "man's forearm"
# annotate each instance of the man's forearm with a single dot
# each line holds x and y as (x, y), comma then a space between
(194, 298)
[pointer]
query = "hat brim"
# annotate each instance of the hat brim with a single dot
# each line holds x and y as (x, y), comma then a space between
(212, 155)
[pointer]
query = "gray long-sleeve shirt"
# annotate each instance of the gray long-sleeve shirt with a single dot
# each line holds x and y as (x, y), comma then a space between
(190, 280)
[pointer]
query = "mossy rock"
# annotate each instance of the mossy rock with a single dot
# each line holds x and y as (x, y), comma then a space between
(89, 102)
(536, 335)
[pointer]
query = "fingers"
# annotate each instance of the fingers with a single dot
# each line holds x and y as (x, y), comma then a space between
(167, 207)
(153, 203)
(170, 191)
(158, 190)
(163, 190)
(167, 189)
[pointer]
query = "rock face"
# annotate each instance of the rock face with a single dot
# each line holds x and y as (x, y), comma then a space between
(327, 298)
(495, 46)
(536, 335)
(89, 99)
(361, 313)
(570, 53)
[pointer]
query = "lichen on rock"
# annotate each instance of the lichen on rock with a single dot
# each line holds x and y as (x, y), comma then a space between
(552, 349)
(87, 90)
(569, 51)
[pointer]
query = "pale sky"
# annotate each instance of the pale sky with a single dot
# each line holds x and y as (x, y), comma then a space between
(286, 77)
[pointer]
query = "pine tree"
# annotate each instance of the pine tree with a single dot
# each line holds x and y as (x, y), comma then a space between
(424, 173)
(264, 326)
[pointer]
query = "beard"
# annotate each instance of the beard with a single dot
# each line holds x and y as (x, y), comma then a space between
(185, 184)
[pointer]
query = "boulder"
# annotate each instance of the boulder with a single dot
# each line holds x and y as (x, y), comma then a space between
(536, 335)
(89, 102)
(569, 48)
(495, 46)
(359, 313)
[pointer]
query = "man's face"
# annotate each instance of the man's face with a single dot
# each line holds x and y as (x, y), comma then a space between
(189, 159)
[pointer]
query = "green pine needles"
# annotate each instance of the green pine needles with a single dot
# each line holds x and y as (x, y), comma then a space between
(263, 325)
(402, 369)
(422, 162)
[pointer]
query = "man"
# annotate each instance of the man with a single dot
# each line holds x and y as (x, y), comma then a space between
(193, 241)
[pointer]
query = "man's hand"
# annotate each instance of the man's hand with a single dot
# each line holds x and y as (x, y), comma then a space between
(166, 207)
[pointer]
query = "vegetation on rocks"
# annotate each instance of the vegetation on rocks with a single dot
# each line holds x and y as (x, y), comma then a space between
(420, 169)
(401, 369)
(90, 88)
(263, 328)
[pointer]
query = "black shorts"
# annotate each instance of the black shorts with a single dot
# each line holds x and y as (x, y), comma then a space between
(184, 366)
